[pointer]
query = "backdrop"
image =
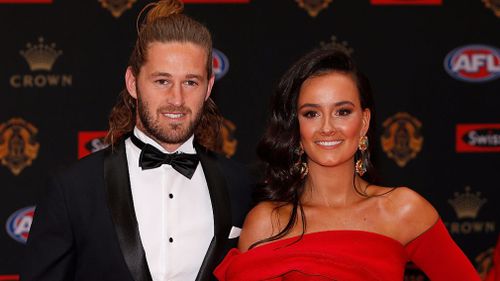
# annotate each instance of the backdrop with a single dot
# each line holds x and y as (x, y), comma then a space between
(434, 66)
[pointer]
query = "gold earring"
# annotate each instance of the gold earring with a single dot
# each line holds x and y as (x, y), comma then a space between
(299, 164)
(362, 163)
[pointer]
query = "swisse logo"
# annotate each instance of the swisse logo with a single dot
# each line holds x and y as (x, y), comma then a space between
(90, 142)
(473, 63)
(220, 64)
(41, 58)
(19, 224)
(478, 138)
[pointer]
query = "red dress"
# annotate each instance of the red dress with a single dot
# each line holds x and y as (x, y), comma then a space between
(349, 255)
(494, 274)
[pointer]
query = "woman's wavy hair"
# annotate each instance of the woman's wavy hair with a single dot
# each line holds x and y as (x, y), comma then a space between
(278, 147)
(164, 23)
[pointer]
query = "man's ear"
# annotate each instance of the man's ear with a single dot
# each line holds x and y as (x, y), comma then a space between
(131, 82)
(210, 86)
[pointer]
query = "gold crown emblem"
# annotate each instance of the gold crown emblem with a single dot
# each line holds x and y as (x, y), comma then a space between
(229, 141)
(334, 43)
(402, 138)
(41, 56)
(18, 145)
(467, 205)
(117, 7)
(494, 5)
(313, 7)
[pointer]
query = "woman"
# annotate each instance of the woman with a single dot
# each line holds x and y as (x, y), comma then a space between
(318, 217)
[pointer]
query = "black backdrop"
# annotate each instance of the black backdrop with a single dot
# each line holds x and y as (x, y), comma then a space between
(433, 66)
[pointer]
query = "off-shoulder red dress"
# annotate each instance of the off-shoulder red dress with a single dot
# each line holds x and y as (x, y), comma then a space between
(349, 255)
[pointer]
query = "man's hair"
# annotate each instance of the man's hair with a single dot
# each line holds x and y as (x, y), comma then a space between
(164, 23)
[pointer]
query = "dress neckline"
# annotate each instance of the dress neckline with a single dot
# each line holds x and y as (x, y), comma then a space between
(311, 235)
(342, 231)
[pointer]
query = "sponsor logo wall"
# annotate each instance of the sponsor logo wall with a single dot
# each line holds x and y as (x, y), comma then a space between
(19, 224)
(434, 78)
(473, 63)
(478, 138)
(19, 147)
(40, 57)
(406, 2)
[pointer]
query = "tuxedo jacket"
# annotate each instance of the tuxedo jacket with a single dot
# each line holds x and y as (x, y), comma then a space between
(85, 228)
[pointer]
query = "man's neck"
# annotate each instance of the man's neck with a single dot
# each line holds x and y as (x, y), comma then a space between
(168, 147)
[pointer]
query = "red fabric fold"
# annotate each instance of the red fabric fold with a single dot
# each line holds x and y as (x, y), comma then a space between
(349, 255)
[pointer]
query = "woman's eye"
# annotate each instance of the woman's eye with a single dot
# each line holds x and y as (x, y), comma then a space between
(310, 114)
(344, 112)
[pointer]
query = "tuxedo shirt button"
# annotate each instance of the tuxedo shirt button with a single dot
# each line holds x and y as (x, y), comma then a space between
(170, 240)
(170, 195)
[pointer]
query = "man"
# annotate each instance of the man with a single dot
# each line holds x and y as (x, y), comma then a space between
(155, 205)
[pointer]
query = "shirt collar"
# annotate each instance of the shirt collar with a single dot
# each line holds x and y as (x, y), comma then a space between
(186, 147)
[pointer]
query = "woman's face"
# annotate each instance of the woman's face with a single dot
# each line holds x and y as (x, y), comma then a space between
(331, 120)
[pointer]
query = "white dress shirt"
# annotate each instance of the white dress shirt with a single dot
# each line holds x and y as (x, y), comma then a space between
(174, 214)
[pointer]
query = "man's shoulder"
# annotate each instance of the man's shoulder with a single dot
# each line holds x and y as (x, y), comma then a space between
(88, 166)
(225, 163)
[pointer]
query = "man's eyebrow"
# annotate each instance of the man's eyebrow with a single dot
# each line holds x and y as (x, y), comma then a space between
(159, 73)
(196, 76)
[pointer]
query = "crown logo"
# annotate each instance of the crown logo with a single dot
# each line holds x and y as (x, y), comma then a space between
(40, 56)
(335, 44)
(467, 204)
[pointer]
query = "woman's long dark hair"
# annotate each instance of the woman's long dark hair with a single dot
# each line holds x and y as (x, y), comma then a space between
(283, 183)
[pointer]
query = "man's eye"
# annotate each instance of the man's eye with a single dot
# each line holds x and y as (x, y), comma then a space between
(191, 83)
(161, 81)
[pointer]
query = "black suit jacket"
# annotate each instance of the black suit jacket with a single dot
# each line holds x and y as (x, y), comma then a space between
(85, 228)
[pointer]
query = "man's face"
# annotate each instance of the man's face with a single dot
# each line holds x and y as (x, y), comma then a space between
(170, 90)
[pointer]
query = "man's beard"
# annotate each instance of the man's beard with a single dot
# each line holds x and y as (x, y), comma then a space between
(171, 133)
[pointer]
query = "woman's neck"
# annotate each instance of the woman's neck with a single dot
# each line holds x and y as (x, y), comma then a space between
(332, 186)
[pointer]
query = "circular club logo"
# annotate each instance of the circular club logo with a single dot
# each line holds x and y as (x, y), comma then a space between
(19, 224)
(220, 64)
(473, 63)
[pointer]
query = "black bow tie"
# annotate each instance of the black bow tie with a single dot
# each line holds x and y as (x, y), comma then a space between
(151, 158)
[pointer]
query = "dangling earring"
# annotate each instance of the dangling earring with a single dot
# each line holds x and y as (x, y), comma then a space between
(362, 163)
(299, 164)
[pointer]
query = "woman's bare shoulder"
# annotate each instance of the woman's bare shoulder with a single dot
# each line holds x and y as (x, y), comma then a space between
(261, 222)
(410, 213)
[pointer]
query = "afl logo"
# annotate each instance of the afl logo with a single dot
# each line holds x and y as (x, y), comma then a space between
(19, 224)
(220, 64)
(473, 63)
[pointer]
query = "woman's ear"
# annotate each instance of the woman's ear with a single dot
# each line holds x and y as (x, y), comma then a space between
(365, 121)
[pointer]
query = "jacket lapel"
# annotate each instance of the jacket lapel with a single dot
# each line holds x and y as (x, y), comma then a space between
(221, 210)
(119, 199)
